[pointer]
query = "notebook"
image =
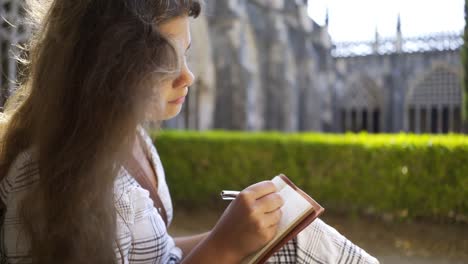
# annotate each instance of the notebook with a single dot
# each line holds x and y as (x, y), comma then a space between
(298, 211)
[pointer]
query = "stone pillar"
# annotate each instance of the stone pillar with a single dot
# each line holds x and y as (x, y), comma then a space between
(234, 52)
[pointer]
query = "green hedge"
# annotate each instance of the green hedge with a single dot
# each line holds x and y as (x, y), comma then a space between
(398, 175)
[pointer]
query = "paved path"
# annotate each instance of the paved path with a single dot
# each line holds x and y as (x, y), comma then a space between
(399, 243)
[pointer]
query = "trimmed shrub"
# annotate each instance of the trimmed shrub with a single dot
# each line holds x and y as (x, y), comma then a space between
(399, 175)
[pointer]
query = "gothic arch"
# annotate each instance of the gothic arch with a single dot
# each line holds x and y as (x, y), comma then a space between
(433, 102)
(362, 105)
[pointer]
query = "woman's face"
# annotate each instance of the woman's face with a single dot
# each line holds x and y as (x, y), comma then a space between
(172, 92)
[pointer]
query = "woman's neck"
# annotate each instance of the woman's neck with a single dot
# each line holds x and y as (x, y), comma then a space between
(137, 150)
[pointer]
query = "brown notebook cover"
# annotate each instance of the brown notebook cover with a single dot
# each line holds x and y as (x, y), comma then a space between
(297, 227)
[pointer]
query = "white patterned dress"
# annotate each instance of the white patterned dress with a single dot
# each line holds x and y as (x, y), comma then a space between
(141, 231)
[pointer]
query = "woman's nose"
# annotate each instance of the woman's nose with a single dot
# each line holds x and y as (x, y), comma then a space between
(185, 79)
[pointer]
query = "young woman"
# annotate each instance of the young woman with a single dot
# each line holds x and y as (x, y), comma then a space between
(95, 71)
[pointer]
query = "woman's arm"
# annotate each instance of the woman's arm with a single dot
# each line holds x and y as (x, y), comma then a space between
(209, 250)
(249, 222)
(187, 243)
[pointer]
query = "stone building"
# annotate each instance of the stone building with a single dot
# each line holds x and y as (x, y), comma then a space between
(265, 65)
(275, 69)
(399, 84)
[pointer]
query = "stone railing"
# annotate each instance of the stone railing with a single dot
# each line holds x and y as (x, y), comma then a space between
(434, 42)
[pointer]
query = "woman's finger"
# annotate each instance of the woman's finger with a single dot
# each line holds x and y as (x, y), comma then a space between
(260, 189)
(269, 202)
(273, 218)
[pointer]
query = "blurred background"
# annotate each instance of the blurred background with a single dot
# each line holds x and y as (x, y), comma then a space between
(330, 66)
(318, 65)
(316, 72)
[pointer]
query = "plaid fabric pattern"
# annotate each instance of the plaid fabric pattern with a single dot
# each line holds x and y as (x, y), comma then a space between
(3, 257)
(319, 243)
(286, 255)
(141, 233)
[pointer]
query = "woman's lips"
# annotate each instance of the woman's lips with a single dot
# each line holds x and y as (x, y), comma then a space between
(179, 100)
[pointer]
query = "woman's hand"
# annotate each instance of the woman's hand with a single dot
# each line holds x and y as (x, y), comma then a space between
(249, 222)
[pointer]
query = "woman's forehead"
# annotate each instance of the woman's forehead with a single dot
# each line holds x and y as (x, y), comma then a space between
(178, 29)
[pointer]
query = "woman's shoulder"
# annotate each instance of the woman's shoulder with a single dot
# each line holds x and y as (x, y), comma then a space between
(21, 175)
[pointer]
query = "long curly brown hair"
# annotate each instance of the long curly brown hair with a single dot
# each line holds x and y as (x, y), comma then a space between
(90, 69)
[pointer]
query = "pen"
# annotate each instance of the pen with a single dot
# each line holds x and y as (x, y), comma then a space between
(229, 195)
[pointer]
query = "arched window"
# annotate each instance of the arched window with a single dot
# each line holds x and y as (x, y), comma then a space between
(433, 104)
(343, 120)
(457, 122)
(354, 126)
(364, 120)
(445, 119)
(434, 119)
(412, 119)
(376, 121)
(361, 106)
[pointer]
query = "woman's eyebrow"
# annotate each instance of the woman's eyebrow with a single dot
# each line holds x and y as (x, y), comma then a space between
(189, 45)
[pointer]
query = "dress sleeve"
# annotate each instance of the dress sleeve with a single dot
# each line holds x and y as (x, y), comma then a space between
(21, 176)
(6, 184)
(11, 180)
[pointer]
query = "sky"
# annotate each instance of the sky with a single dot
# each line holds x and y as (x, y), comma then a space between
(357, 20)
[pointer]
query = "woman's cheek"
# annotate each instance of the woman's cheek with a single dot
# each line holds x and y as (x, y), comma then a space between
(155, 110)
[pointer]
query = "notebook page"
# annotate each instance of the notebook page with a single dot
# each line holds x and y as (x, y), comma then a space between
(293, 209)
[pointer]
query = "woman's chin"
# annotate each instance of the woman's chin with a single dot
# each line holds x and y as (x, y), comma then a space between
(171, 113)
